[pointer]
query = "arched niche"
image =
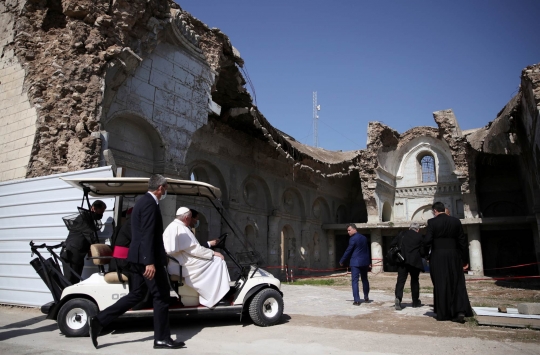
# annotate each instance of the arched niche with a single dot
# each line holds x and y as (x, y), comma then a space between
(409, 170)
(136, 145)
(256, 193)
(204, 171)
(202, 232)
(292, 203)
(386, 212)
(321, 210)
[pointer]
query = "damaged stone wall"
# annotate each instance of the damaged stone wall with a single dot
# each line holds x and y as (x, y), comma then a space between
(17, 116)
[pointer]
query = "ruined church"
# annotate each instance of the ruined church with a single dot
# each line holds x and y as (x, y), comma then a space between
(146, 87)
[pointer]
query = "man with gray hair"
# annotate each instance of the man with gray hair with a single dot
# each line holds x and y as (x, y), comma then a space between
(411, 244)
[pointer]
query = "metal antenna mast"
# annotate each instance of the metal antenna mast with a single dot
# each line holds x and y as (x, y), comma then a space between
(316, 109)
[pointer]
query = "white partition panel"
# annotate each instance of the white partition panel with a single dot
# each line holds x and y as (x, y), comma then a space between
(32, 209)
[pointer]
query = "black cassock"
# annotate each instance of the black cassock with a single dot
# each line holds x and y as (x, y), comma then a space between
(449, 252)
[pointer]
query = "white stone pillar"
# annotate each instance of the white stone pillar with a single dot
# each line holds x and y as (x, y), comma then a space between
(331, 242)
(376, 251)
(476, 263)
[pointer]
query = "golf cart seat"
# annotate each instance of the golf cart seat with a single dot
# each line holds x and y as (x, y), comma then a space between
(102, 255)
(190, 297)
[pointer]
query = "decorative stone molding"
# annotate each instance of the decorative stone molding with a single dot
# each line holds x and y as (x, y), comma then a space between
(429, 190)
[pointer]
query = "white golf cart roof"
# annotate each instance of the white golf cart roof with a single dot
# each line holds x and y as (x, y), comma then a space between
(139, 186)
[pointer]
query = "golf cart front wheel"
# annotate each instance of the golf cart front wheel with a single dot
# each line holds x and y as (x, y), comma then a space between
(73, 317)
(266, 308)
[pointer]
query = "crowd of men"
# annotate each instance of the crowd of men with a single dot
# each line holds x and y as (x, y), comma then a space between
(444, 245)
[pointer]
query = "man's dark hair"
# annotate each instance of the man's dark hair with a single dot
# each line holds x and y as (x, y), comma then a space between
(155, 182)
(438, 206)
(99, 204)
(352, 226)
(194, 213)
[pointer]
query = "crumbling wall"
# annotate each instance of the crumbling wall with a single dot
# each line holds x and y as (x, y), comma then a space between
(65, 47)
(530, 119)
(17, 116)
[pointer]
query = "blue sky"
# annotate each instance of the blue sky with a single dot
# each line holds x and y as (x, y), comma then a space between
(389, 61)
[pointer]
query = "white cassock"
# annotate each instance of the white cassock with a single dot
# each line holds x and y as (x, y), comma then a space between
(203, 271)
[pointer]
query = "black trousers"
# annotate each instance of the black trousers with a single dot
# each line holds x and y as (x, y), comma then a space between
(403, 271)
(159, 289)
(75, 262)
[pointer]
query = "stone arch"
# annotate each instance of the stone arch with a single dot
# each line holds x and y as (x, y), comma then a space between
(321, 210)
(135, 144)
(202, 231)
(205, 171)
(292, 203)
(341, 214)
(422, 214)
(386, 212)
(256, 193)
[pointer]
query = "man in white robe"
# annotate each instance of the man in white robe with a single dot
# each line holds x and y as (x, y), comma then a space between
(203, 269)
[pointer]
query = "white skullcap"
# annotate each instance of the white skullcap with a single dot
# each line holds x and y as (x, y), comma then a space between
(182, 210)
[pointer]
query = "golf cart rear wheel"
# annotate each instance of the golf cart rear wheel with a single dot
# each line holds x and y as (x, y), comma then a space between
(73, 317)
(266, 307)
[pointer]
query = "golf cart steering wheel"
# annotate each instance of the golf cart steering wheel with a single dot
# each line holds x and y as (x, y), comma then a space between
(221, 240)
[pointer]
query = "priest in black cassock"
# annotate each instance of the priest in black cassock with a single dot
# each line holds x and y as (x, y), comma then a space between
(447, 262)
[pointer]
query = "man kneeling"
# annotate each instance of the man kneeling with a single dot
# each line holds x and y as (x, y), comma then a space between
(203, 269)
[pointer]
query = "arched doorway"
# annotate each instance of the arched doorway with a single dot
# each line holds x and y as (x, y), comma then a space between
(136, 145)
(386, 212)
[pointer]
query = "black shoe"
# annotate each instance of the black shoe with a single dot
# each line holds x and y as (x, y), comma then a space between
(397, 304)
(168, 344)
(356, 303)
(460, 318)
(417, 304)
(94, 329)
(366, 299)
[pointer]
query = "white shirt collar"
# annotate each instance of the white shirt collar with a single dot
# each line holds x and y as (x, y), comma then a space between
(155, 198)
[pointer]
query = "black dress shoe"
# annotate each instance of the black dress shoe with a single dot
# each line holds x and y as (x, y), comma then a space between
(417, 304)
(356, 303)
(94, 329)
(168, 344)
(460, 318)
(366, 299)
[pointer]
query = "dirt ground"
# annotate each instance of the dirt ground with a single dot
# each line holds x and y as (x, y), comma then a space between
(386, 320)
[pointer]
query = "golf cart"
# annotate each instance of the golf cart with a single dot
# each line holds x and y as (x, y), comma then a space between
(255, 291)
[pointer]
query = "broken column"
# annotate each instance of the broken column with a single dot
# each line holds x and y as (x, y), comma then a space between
(476, 263)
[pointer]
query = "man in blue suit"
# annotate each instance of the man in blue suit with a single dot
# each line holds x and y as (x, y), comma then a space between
(358, 254)
(147, 260)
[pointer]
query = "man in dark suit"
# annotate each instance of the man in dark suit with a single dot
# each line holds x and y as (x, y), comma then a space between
(448, 259)
(147, 260)
(411, 246)
(358, 254)
(78, 243)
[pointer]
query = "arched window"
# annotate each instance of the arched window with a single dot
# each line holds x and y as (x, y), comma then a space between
(427, 164)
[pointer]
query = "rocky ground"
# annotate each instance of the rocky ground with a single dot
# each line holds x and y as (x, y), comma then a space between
(380, 316)
(318, 319)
